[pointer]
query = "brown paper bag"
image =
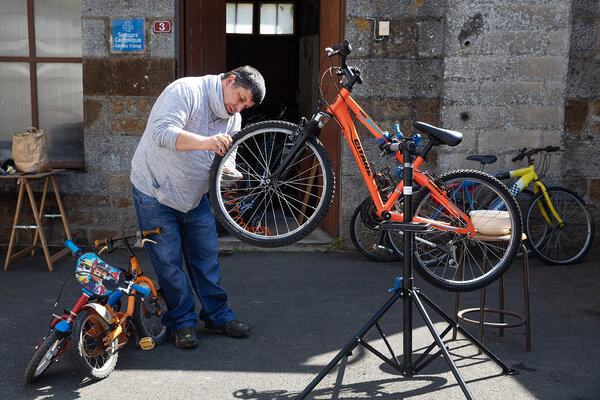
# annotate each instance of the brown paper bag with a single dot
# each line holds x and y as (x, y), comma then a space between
(29, 151)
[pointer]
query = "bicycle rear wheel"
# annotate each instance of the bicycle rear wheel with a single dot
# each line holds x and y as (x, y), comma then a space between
(147, 318)
(364, 233)
(559, 243)
(456, 262)
(270, 212)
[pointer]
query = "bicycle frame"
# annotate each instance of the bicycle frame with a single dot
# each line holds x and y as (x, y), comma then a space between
(340, 111)
(528, 175)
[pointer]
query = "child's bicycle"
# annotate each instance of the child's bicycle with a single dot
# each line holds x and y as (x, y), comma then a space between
(286, 186)
(557, 222)
(94, 326)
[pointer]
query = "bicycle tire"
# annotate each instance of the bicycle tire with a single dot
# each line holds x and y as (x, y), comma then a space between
(364, 234)
(147, 318)
(265, 212)
(95, 360)
(553, 244)
(439, 253)
(45, 355)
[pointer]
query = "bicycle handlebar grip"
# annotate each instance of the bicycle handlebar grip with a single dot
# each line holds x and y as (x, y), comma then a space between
(71, 246)
(520, 155)
(144, 291)
(152, 232)
(344, 48)
(99, 243)
(552, 148)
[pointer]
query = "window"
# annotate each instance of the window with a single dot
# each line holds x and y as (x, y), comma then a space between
(239, 18)
(276, 19)
(273, 18)
(41, 77)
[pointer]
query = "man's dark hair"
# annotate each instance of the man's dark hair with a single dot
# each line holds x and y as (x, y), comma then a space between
(249, 78)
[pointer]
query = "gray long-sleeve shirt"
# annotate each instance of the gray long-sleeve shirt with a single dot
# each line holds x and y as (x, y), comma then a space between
(178, 179)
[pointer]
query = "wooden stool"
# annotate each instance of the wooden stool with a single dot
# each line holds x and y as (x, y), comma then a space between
(521, 319)
(23, 182)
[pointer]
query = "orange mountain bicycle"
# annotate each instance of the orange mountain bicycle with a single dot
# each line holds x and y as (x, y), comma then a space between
(276, 182)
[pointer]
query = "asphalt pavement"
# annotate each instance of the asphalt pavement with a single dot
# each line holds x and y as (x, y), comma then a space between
(303, 308)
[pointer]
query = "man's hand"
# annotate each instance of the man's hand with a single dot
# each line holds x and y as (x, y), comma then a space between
(187, 141)
(219, 143)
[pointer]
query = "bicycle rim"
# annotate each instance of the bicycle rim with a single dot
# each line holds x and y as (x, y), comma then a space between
(272, 212)
(559, 243)
(147, 318)
(454, 261)
(96, 359)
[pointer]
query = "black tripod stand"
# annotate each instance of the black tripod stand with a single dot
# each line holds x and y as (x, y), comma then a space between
(410, 295)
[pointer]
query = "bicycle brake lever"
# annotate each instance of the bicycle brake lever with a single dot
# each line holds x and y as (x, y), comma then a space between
(102, 249)
(147, 240)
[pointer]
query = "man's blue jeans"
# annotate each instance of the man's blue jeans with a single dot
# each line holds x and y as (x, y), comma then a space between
(192, 237)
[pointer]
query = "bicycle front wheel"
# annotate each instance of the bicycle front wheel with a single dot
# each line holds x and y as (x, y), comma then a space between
(45, 354)
(554, 242)
(261, 210)
(95, 360)
(456, 262)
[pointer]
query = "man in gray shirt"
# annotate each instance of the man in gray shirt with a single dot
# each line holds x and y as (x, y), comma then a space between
(193, 118)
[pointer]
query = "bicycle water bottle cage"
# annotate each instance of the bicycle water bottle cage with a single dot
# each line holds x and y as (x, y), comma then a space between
(96, 276)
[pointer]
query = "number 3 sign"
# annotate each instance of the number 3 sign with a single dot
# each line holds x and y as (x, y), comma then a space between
(162, 27)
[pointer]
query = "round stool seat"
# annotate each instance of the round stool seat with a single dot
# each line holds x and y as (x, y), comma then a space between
(520, 318)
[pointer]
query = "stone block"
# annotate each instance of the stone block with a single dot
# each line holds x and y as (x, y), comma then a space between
(128, 125)
(162, 45)
(430, 38)
(128, 8)
(92, 111)
(116, 157)
(583, 80)
(576, 113)
(402, 42)
(585, 8)
(541, 68)
(505, 142)
(400, 78)
(595, 189)
(116, 105)
(127, 76)
(550, 116)
(396, 8)
(95, 39)
(583, 38)
(118, 183)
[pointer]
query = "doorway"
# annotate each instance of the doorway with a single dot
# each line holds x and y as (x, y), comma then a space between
(283, 40)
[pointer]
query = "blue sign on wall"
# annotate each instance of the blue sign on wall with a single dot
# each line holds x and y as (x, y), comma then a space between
(128, 35)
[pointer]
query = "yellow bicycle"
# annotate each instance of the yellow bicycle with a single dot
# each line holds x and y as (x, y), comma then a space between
(557, 222)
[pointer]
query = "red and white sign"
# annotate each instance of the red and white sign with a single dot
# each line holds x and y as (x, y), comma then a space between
(162, 27)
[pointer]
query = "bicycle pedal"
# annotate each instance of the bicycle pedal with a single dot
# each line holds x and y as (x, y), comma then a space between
(146, 343)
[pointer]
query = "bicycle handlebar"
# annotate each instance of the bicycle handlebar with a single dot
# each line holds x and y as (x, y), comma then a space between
(524, 152)
(108, 240)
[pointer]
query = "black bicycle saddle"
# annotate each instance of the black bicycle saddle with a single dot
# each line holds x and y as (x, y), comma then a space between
(446, 136)
(484, 159)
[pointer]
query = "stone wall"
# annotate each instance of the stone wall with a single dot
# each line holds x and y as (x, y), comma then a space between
(402, 77)
(119, 90)
(507, 74)
(581, 164)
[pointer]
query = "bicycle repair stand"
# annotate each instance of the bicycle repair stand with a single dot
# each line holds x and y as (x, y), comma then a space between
(404, 289)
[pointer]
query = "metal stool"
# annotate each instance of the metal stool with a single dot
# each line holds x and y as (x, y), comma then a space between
(522, 319)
